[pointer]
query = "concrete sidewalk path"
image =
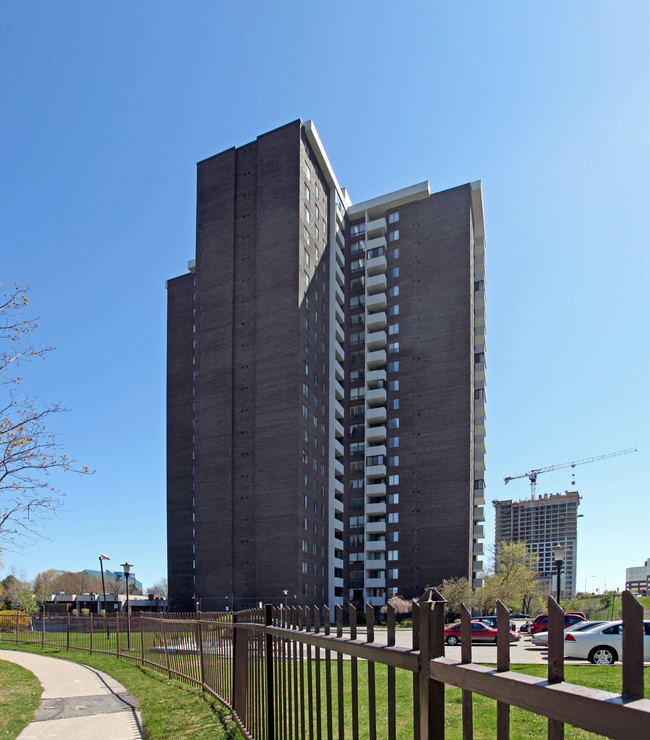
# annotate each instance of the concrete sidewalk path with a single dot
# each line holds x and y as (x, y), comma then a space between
(77, 701)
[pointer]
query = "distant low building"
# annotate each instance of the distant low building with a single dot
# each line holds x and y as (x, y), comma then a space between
(637, 579)
(62, 604)
(115, 574)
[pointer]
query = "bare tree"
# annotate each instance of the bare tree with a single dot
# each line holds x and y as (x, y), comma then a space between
(159, 589)
(29, 451)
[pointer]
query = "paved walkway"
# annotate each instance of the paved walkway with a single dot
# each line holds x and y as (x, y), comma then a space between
(78, 702)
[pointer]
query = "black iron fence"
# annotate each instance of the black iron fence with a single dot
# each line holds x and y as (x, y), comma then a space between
(295, 673)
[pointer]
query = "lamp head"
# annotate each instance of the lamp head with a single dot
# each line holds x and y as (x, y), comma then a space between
(104, 557)
(126, 567)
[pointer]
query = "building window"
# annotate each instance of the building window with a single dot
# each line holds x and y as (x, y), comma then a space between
(393, 385)
(393, 366)
(479, 357)
(393, 574)
(393, 272)
(393, 554)
(305, 456)
(393, 461)
(305, 524)
(393, 235)
(393, 347)
(478, 484)
(393, 517)
(357, 229)
(479, 393)
(393, 329)
(376, 460)
(393, 536)
(393, 254)
(307, 280)
(393, 480)
(393, 404)
(393, 310)
(392, 442)
(307, 194)
(394, 291)
(393, 498)
(305, 479)
(305, 411)
(305, 367)
(479, 285)
(305, 390)
(307, 215)
(393, 217)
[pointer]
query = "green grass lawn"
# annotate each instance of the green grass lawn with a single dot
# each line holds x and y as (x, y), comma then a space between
(20, 693)
(169, 709)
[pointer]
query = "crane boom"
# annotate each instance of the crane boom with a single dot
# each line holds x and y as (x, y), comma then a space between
(532, 474)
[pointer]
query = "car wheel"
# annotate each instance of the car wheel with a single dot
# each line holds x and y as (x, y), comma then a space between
(603, 655)
(452, 640)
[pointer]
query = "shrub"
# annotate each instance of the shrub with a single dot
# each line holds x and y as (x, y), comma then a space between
(8, 620)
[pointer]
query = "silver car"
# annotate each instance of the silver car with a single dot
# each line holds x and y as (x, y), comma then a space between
(541, 638)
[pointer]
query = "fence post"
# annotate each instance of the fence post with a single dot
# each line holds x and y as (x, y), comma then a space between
(43, 628)
(141, 641)
(169, 669)
(632, 647)
(67, 631)
(436, 650)
(90, 617)
(17, 629)
(270, 697)
(117, 633)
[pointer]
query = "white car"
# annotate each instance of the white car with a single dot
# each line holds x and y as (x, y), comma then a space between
(602, 645)
(541, 638)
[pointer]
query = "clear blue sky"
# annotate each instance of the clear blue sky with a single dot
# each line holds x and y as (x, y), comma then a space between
(107, 106)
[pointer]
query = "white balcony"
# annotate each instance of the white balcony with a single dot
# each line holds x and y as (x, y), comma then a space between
(378, 508)
(340, 298)
(378, 241)
(479, 497)
(375, 434)
(375, 321)
(479, 531)
(338, 272)
(477, 583)
(376, 415)
(479, 299)
(376, 284)
(338, 582)
(340, 257)
(338, 448)
(479, 406)
(376, 527)
(479, 514)
(375, 340)
(338, 467)
(376, 397)
(375, 546)
(376, 359)
(479, 463)
(374, 228)
(376, 265)
(338, 410)
(338, 506)
(338, 429)
(373, 450)
(479, 424)
(339, 373)
(375, 471)
(375, 489)
(479, 371)
(338, 486)
(375, 583)
(478, 548)
(478, 566)
(339, 354)
(338, 332)
(376, 600)
(479, 245)
(479, 443)
(338, 562)
(376, 302)
(339, 393)
(375, 376)
(479, 316)
(338, 313)
(338, 524)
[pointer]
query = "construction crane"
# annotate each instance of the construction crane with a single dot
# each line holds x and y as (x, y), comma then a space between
(532, 474)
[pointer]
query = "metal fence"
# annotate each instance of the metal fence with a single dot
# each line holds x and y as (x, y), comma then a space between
(289, 674)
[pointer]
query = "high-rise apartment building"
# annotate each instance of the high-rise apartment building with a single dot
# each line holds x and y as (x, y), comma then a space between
(543, 523)
(326, 385)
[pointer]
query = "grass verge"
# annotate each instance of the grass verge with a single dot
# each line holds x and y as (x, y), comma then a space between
(20, 693)
(170, 710)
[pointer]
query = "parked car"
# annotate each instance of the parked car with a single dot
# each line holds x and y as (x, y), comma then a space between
(491, 621)
(525, 627)
(602, 645)
(541, 638)
(480, 633)
(540, 623)
(519, 615)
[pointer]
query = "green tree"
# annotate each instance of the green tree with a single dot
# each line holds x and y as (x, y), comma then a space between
(515, 580)
(456, 591)
(29, 450)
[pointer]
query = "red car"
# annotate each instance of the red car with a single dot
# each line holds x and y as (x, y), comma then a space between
(540, 623)
(480, 633)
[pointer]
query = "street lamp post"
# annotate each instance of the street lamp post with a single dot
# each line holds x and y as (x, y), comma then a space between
(101, 566)
(286, 595)
(558, 556)
(586, 579)
(127, 569)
